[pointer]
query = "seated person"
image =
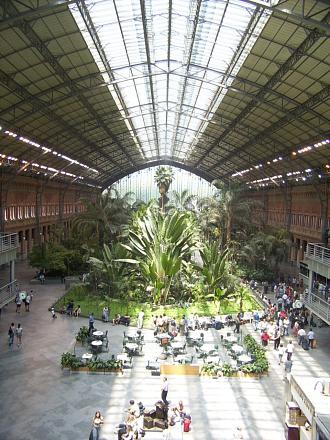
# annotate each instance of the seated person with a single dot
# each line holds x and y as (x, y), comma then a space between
(69, 308)
(62, 310)
(116, 320)
(124, 320)
(179, 409)
(171, 416)
(134, 408)
(77, 311)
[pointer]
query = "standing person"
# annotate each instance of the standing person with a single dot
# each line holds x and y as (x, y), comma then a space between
(18, 303)
(90, 323)
(237, 323)
(140, 319)
(96, 426)
(264, 338)
(287, 368)
(165, 390)
(42, 278)
(277, 338)
(301, 336)
(18, 333)
(280, 353)
(105, 314)
(27, 302)
(289, 350)
(256, 319)
(311, 337)
(11, 334)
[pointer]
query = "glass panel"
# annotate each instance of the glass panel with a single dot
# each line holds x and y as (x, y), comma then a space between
(172, 84)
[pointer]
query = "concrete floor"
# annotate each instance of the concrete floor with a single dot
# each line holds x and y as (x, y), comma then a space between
(39, 402)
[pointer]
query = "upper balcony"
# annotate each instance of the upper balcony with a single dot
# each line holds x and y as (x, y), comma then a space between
(8, 247)
(318, 258)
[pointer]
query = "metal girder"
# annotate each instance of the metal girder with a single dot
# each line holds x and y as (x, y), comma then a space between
(44, 51)
(97, 43)
(286, 67)
(286, 13)
(147, 49)
(192, 40)
(155, 163)
(41, 106)
(96, 81)
(314, 100)
(8, 19)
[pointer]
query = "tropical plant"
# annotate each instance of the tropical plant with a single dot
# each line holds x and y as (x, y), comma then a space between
(110, 267)
(82, 334)
(182, 201)
(213, 267)
(105, 217)
(159, 244)
(52, 257)
(163, 178)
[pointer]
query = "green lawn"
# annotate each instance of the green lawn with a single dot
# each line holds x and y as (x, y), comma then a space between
(92, 303)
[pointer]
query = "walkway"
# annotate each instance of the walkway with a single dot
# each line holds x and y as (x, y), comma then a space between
(39, 402)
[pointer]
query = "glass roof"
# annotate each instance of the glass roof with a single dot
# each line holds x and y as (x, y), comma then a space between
(168, 63)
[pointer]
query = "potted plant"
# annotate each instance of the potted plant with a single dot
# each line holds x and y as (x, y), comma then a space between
(82, 335)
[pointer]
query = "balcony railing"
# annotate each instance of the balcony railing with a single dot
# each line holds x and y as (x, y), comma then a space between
(8, 242)
(319, 306)
(318, 252)
(7, 293)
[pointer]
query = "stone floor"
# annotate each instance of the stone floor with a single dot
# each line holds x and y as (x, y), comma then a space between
(39, 402)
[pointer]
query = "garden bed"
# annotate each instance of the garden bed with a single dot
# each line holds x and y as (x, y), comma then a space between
(71, 362)
(94, 303)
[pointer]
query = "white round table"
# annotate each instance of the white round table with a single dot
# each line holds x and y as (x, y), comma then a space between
(96, 343)
(98, 333)
(244, 358)
(87, 357)
(237, 348)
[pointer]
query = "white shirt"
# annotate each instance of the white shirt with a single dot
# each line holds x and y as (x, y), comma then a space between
(311, 334)
(301, 332)
(289, 348)
(165, 386)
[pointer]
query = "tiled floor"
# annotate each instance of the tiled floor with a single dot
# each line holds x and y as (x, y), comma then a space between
(39, 402)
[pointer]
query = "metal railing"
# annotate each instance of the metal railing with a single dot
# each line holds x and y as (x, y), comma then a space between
(318, 252)
(8, 242)
(317, 305)
(7, 293)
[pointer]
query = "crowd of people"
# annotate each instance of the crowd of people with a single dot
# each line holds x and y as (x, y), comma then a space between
(285, 316)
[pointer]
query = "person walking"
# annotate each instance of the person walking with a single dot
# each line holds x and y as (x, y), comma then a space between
(289, 350)
(301, 336)
(11, 335)
(18, 333)
(280, 353)
(311, 337)
(27, 302)
(277, 338)
(18, 303)
(237, 323)
(165, 390)
(96, 426)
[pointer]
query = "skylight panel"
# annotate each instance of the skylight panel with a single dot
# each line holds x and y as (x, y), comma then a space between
(175, 70)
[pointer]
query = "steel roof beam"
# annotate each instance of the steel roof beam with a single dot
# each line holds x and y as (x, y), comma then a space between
(147, 49)
(286, 13)
(48, 56)
(296, 113)
(53, 6)
(154, 163)
(40, 106)
(97, 43)
(286, 67)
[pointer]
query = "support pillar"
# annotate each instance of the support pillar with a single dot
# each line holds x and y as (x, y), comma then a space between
(12, 271)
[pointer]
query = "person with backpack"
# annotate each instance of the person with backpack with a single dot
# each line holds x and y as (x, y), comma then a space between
(11, 335)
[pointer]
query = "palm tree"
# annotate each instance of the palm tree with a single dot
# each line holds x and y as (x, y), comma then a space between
(183, 201)
(228, 207)
(163, 178)
(105, 217)
(213, 268)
